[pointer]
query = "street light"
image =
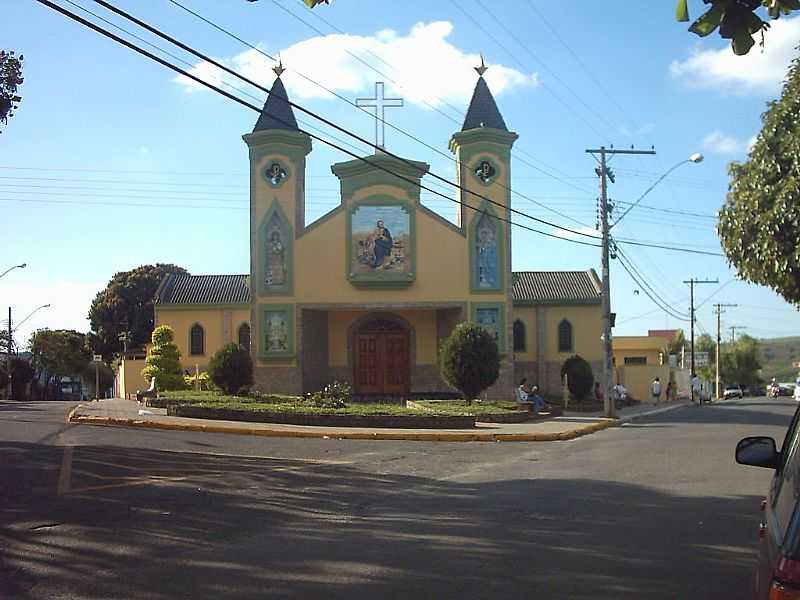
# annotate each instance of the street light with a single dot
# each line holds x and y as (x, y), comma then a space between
(694, 158)
(34, 311)
(22, 266)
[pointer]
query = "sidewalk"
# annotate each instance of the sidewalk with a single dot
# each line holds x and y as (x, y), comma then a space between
(128, 413)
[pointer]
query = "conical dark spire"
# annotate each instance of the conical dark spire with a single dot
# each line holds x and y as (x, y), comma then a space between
(483, 110)
(277, 112)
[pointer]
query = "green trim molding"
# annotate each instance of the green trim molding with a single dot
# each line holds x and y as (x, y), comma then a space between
(265, 310)
(382, 279)
(477, 162)
(361, 173)
(501, 320)
(262, 255)
(264, 172)
(500, 232)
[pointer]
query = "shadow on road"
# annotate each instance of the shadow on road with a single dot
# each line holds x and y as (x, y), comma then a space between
(754, 413)
(158, 525)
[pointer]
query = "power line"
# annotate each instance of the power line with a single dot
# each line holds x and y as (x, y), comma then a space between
(670, 211)
(230, 71)
(230, 96)
(664, 247)
(516, 152)
(646, 284)
(577, 59)
(378, 117)
(499, 44)
(663, 307)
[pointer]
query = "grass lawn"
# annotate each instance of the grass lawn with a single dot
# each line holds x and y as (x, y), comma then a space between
(460, 407)
(294, 404)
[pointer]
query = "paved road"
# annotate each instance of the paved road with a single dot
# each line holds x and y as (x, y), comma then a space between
(654, 509)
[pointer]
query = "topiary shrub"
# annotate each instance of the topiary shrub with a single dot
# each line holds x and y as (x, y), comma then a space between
(337, 394)
(231, 368)
(469, 360)
(164, 361)
(580, 377)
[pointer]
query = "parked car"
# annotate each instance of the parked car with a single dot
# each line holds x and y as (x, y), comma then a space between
(786, 389)
(732, 391)
(777, 572)
(758, 390)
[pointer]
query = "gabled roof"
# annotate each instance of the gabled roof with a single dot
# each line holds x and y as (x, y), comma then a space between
(203, 289)
(556, 287)
(277, 112)
(483, 110)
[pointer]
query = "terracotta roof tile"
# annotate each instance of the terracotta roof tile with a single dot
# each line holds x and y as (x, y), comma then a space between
(553, 287)
(203, 289)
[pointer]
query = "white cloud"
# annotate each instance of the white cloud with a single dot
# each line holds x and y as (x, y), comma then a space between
(719, 143)
(756, 72)
(428, 68)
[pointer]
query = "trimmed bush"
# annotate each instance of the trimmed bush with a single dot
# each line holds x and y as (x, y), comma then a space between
(164, 360)
(231, 368)
(580, 378)
(469, 360)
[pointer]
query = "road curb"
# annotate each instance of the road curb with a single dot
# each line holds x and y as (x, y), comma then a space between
(355, 435)
(656, 411)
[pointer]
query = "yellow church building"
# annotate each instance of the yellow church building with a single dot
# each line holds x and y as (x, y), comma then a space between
(367, 292)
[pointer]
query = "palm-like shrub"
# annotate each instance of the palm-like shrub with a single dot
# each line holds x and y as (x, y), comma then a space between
(164, 360)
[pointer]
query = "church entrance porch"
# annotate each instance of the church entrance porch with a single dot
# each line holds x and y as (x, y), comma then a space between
(381, 358)
(382, 351)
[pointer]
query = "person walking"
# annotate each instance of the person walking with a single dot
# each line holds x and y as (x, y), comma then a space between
(668, 393)
(696, 389)
(655, 390)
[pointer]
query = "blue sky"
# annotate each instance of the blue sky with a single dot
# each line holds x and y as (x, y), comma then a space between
(112, 162)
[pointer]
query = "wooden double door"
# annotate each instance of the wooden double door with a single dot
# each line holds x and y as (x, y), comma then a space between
(381, 361)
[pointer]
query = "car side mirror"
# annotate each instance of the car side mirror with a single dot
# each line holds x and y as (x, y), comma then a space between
(757, 452)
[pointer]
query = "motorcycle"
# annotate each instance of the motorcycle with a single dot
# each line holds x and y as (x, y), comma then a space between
(774, 390)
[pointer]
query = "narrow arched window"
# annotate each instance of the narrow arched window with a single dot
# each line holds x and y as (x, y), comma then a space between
(519, 336)
(565, 336)
(244, 335)
(197, 339)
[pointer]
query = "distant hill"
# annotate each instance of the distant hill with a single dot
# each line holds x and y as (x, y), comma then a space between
(777, 356)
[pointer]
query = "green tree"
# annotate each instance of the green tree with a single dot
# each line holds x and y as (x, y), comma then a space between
(469, 360)
(21, 375)
(60, 353)
(10, 80)
(705, 343)
(739, 362)
(164, 360)
(126, 306)
(759, 225)
(737, 20)
(580, 377)
(231, 368)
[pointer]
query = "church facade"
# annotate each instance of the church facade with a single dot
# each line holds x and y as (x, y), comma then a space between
(368, 292)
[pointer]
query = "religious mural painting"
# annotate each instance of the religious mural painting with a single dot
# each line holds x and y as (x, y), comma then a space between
(275, 249)
(486, 262)
(276, 265)
(490, 317)
(276, 331)
(485, 171)
(275, 174)
(381, 244)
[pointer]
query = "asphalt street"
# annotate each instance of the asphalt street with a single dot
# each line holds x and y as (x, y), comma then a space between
(653, 509)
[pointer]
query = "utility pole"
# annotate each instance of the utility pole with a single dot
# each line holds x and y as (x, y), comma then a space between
(604, 172)
(692, 283)
(718, 311)
(8, 358)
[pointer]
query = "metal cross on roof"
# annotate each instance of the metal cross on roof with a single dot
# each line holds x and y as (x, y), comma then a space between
(379, 103)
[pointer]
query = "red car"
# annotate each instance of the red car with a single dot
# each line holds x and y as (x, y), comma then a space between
(777, 575)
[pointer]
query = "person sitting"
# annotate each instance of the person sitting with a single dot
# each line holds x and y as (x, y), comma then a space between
(523, 394)
(538, 402)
